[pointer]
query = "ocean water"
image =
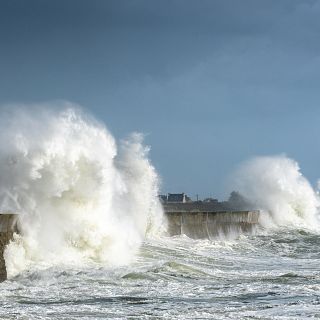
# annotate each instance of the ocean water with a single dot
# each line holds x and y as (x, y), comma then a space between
(269, 275)
(92, 241)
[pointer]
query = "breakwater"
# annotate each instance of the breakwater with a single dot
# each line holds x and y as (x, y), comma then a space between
(8, 225)
(200, 223)
(210, 218)
(195, 221)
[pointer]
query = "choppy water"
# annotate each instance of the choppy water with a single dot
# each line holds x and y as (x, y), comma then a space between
(273, 275)
(82, 196)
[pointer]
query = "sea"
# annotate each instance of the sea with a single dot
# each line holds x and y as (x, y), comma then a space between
(269, 275)
(92, 240)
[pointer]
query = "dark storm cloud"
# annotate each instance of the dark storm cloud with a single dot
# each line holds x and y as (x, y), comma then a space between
(157, 38)
(191, 73)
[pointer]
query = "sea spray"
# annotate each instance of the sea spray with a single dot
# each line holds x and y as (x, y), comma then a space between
(275, 185)
(79, 196)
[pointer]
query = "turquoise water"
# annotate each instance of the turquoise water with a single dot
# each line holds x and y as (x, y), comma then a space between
(270, 275)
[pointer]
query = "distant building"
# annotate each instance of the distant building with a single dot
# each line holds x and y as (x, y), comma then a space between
(163, 198)
(178, 198)
(180, 201)
(174, 198)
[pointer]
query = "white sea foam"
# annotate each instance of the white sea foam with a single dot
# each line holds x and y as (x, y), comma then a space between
(78, 195)
(275, 185)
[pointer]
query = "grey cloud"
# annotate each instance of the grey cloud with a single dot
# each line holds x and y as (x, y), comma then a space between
(193, 73)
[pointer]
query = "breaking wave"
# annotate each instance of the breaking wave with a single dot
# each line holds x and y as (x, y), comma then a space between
(275, 185)
(80, 196)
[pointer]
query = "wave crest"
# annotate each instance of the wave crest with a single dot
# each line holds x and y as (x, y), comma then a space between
(79, 196)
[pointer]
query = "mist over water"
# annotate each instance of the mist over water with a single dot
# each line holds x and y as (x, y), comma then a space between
(92, 242)
(79, 194)
(275, 185)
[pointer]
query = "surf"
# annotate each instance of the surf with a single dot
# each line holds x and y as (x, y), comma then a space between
(79, 194)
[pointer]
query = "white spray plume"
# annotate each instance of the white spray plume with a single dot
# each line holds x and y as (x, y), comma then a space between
(275, 185)
(78, 197)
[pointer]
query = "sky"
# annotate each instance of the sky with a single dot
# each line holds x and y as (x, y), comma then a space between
(210, 83)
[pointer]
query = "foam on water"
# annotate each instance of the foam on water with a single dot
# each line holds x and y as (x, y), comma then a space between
(79, 195)
(274, 275)
(84, 198)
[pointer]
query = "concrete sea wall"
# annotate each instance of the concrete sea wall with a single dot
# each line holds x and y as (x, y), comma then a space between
(208, 225)
(197, 225)
(8, 225)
